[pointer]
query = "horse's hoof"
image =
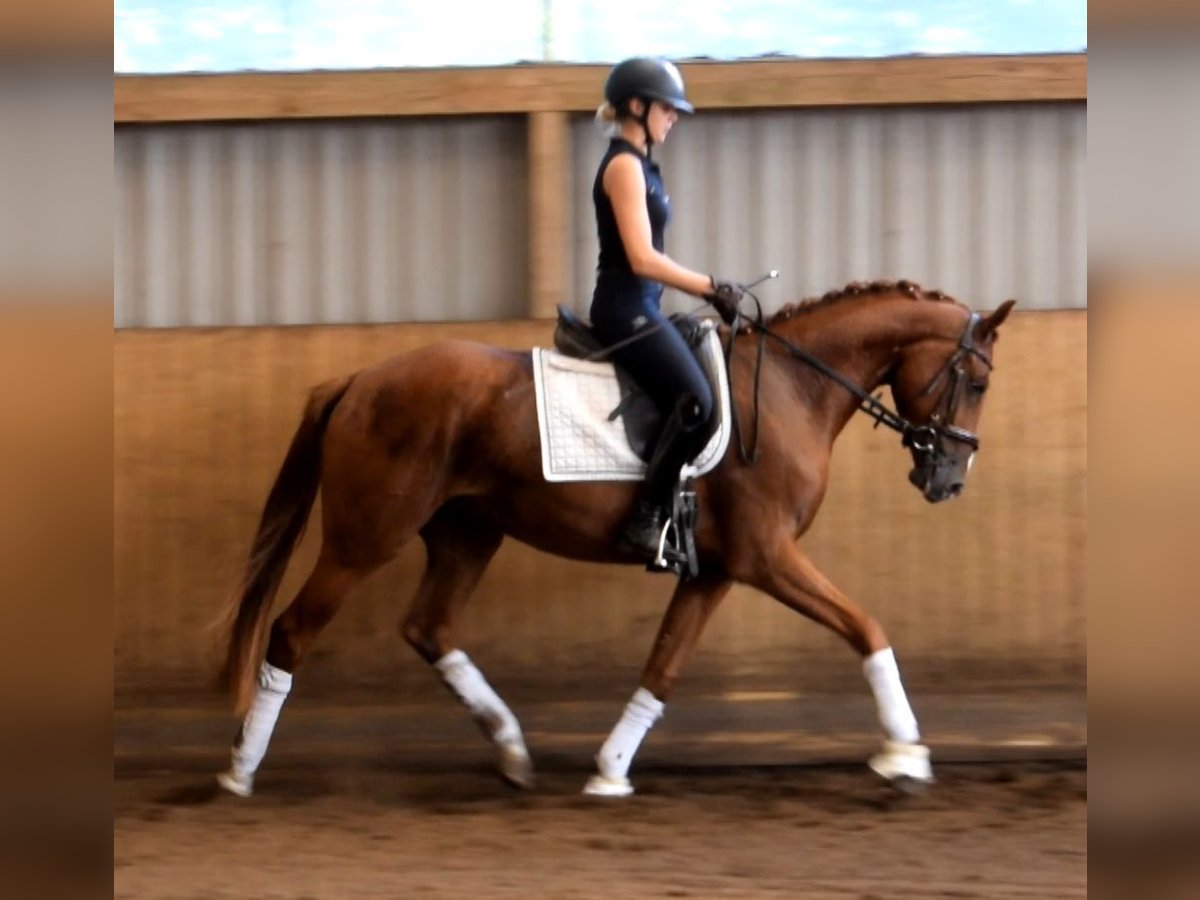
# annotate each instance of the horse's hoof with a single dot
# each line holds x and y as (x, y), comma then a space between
(600, 786)
(241, 785)
(904, 766)
(910, 787)
(516, 767)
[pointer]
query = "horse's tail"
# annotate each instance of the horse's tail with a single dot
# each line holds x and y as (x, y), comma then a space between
(279, 531)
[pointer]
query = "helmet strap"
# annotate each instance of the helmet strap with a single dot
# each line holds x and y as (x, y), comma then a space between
(644, 119)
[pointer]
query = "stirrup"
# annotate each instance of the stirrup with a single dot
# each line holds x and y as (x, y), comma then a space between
(665, 558)
(677, 545)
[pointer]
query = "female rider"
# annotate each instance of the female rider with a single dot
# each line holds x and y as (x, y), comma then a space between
(643, 99)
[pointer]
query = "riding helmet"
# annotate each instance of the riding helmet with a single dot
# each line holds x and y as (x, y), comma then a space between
(647, 77)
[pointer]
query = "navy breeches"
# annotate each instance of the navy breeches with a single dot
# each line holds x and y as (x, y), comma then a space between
(660, 362)
(664, 367)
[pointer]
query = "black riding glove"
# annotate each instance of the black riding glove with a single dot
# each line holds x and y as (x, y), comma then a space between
(725, 297)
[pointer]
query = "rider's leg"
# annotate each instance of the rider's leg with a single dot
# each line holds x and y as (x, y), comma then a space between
(664, 365)
(676, 445)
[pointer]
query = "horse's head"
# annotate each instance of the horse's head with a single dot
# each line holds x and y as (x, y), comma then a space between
(939, 385)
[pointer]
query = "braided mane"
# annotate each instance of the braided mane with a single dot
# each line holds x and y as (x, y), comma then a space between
(857, 289)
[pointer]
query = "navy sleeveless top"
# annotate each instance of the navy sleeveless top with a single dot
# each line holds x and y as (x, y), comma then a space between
(618, 290)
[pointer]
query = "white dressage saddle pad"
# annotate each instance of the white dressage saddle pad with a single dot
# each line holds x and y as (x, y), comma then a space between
(579, 443)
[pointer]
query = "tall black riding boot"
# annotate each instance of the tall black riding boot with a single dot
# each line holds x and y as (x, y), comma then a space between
(643, 534)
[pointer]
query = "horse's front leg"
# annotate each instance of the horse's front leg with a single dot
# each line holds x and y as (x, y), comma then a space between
(691, 607)
(791, 578)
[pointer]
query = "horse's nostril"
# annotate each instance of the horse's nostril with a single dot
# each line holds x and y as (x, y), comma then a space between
(956, 489)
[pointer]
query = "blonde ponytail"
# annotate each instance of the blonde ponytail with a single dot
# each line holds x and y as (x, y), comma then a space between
(606, 119)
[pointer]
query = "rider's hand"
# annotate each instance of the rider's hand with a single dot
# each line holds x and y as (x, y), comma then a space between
(725, 297)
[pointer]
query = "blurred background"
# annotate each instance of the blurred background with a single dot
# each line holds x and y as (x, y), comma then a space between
(296, 189)
(303, 188)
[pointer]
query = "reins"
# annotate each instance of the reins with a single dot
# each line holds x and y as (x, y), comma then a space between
(919, 437)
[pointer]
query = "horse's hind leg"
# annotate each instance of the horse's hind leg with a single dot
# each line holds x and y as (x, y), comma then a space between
(460, 543)
(291, 636)
(792, 579)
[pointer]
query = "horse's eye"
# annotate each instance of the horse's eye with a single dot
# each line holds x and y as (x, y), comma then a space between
(977, 387)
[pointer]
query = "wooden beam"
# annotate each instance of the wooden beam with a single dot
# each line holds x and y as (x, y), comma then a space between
(897, 81)
(548, 186)
(577, 88)
(55, 28)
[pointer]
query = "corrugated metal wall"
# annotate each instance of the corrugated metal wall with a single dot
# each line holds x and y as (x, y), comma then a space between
(984, 202)
(426, 219)
(415, 219)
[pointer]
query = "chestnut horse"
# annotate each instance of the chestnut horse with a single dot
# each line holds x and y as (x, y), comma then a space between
(442, 442)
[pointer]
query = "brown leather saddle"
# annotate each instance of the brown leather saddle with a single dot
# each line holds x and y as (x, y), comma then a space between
(643, 422)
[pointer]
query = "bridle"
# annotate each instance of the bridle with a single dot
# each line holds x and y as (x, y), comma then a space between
(925, 440)
(923, 437)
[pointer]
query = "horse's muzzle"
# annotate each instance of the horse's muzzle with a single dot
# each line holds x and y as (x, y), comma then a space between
(939, 475)
(934, 485)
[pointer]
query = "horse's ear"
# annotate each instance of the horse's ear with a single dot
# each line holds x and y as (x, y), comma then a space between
(988, 325)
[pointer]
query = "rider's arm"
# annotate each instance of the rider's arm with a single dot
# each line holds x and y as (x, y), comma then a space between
(625, 184)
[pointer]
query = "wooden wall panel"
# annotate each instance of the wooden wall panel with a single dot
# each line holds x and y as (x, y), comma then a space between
(576, 88)
(985, 591)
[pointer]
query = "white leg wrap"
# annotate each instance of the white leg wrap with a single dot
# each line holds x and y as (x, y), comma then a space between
(490, 712)
(641, 712)
(895, 715)
(905, 765)
(251, 744)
